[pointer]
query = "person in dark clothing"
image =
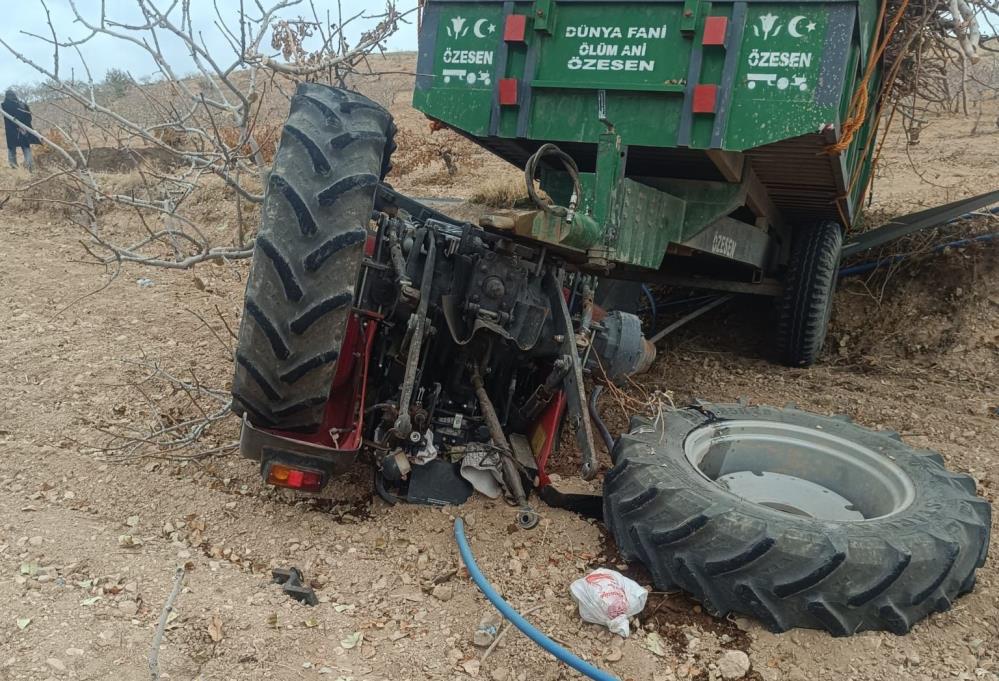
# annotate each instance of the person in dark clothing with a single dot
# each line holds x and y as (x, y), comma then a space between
(17, 136)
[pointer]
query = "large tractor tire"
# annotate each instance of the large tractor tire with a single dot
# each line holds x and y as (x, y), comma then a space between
(334, 150)
(797, 519)
(806, 306)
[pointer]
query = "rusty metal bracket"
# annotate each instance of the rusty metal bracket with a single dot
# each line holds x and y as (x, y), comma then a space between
(575, 391)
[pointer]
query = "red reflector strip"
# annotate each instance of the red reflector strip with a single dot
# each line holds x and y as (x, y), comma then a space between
(516, 28)
(715, 29)
(705, 98)
(509, 92)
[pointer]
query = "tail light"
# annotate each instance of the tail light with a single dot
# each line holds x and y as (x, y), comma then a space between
(303, 479)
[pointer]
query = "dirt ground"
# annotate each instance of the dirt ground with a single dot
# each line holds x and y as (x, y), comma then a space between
(89, 546)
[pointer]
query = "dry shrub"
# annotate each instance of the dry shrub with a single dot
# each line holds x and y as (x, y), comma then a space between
(43, 151)
(130, 183)
(443, 152)
(939, 307)
(171, 137)
(267, 137)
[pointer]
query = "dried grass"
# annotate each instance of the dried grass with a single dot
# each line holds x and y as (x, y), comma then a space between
(50, 197)
(508, 191)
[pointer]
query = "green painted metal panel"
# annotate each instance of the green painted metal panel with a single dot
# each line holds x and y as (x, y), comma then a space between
(610, 172)
(641, 58)
(774, 95)
(642, 223)
(544, 15)
(634, 51)
(639, 53)
(463, 67)
(706, 202)
(648, 220)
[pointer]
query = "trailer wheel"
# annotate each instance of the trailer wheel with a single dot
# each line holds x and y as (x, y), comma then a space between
(335, 148)
(797, 519)
(806, 306)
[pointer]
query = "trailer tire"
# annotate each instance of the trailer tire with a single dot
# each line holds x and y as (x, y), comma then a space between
(886, 571)
(806, 305)
(335, 148)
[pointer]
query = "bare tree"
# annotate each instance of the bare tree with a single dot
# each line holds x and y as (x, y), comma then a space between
(187, 130)
(931, 41)
(181, 136)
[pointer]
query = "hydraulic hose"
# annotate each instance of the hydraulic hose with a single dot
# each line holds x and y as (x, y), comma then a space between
(599, 422)
(531, 170)
(581, 666)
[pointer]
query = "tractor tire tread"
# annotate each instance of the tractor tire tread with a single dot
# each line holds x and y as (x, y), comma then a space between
(884, 573)
(805, 307)
(307, 256)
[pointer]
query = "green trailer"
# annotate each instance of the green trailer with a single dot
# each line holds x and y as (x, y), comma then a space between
(699, 141)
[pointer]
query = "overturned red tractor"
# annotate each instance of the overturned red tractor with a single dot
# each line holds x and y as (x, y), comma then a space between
(450, 356)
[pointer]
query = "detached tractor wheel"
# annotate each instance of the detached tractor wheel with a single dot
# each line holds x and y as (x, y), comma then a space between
(806, 306)
(334, 150)
(797, 519)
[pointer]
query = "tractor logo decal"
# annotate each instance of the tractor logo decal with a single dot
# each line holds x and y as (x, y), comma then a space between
(465, 76)
(780, 82)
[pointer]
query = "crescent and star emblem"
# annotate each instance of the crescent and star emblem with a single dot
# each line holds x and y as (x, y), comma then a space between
(479, 30)
(792, 26)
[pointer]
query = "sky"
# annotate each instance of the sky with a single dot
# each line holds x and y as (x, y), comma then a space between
(104, 53)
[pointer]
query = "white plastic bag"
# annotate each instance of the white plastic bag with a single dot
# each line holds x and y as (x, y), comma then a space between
(609, 598)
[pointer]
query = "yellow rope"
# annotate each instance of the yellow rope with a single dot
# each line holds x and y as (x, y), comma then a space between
(857, 112)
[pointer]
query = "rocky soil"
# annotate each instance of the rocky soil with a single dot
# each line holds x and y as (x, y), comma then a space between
(89, 545)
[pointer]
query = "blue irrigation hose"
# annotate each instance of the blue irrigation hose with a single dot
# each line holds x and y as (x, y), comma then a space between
(652, 305)
(975, 214)
(581, 666)
(871, 265)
